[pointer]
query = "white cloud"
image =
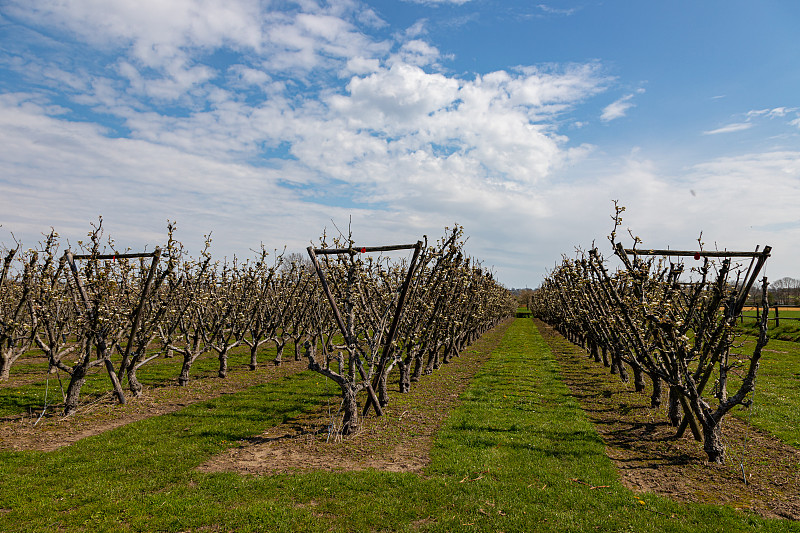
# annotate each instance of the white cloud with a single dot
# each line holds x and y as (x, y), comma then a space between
(556, 11)
(313, 119)
(305, 114)
(490, 129)
(417, 52)
(250, 76)
(730, 128)
(739, 202)
(61, 173)
(777, 112)
(434, 148)
(155, 30)
(64, 174)
(362, 65)
(752, 116)
(438, 2)
(617, 109)
(169, 36)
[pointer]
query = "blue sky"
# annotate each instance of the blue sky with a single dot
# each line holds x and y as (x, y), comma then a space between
(269, 121)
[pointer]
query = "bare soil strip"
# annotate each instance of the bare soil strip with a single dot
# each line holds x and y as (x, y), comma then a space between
(54, 431)
(399, 441)
(639, 441)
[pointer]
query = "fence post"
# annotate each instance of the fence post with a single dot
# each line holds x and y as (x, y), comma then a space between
(777, 319)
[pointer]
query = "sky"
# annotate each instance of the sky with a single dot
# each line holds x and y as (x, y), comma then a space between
(270, 121)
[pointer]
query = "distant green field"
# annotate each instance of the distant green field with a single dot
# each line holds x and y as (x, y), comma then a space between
(776, 399)
(785, 327)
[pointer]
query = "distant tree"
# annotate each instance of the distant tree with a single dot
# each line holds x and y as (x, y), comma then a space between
(524, 297)
(786, 291)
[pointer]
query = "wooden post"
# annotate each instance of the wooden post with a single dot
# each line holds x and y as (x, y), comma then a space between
(777, 318)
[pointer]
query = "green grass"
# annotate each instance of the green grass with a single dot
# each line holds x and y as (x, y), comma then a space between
(517, 455)
(787, 330)
(776, 400)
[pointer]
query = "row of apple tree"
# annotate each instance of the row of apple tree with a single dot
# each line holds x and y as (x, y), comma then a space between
(667, 323)
(359, 318)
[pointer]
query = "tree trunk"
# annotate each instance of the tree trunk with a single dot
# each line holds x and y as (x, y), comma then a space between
(405, 376)
(617, 366)
(417, 366)
(183, 378)
(73, 393)
(655, 398)
(9, 356)
(133, 382)
(297, 355)
(279, 353)
(254, 356)
(5, 367)
(595, 352)
(638, 378)
(432, 357)
(112, 375)
(448, 353)
(722, 391)
(383, 391)
(350, 408)
(223, 363)
(712, 440)
(674, 412)
(623, 373)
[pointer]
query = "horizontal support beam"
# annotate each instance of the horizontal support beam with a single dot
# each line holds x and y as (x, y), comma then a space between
(114, 256)
(364, 249)
(687, 253)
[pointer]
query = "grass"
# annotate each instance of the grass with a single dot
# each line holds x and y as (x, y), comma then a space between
(517, 455)
(776, 400)
(787, 330)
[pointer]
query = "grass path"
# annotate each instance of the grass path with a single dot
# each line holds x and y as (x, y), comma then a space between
(516, 455)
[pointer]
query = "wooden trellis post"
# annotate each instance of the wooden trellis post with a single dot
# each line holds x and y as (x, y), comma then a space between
(116, 377)
(313, 252)
(757, 260)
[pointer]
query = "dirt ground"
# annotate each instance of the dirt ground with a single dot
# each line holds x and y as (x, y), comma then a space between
(638, 439)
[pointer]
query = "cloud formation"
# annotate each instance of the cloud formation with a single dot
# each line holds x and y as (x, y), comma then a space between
(730, 128)
(619, 108)
(264, 124)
